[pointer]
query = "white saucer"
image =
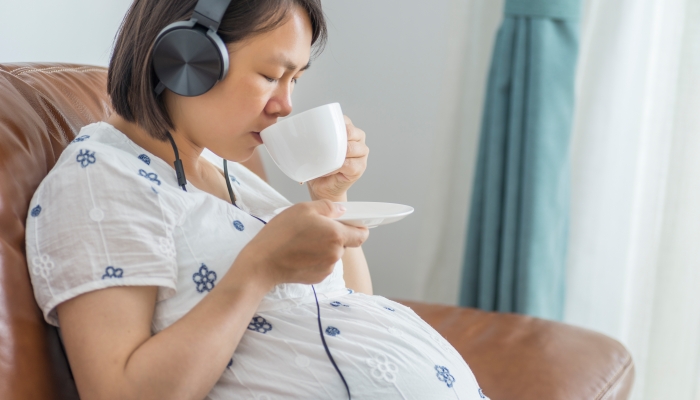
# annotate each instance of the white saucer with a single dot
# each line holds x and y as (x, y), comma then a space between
(369, 214)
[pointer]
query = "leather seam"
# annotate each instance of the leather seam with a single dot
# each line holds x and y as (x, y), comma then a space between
(19, 69)
(39, 92)
(616, 377)
(52, 70)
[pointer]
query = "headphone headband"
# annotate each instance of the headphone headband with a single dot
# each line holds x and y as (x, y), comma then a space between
(210, 12)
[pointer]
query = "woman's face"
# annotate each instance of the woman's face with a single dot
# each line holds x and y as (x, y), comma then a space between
(256, 91)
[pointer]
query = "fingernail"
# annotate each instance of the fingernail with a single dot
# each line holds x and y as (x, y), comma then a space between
(341, 207)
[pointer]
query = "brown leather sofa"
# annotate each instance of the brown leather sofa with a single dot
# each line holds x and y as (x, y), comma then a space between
(43, 106)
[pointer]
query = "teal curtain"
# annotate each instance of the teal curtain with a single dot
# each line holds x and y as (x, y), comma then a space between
(515, 255)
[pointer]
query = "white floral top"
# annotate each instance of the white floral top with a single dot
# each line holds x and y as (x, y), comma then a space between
(111, 214)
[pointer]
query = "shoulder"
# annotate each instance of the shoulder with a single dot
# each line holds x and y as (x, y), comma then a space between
(98, 170)
(98, 156)
(100, 144)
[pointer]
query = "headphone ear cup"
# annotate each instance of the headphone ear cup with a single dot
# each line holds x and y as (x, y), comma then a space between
(188, 60)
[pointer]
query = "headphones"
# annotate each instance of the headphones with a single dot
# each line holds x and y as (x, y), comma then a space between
(189, 57)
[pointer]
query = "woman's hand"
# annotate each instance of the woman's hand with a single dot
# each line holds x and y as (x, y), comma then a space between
(334, 186)
(300, 245)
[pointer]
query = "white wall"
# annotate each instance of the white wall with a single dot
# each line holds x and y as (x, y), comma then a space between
(399, 68)
(75, 31)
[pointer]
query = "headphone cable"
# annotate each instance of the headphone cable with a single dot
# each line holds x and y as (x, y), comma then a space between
(230, 189)
(179, 170)
(323, 339)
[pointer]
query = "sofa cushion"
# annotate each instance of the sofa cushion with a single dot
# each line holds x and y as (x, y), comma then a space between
(42, 107)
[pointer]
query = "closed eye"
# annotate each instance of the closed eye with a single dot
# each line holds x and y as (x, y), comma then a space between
(273, 80)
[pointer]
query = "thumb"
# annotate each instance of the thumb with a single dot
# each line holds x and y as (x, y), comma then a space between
(327, 208)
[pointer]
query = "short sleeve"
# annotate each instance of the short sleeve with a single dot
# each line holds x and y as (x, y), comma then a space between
(98, 221)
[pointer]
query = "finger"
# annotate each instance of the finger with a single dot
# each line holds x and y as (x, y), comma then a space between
(357, 150)
(353, 168)
(353, 236)
(326, 208)
(355, 134)
(328, 174)
(353, 165)
(347, 119)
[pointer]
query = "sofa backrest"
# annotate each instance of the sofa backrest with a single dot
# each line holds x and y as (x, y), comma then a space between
(42, 107)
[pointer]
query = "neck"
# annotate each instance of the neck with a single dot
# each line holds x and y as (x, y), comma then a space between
(189, 151)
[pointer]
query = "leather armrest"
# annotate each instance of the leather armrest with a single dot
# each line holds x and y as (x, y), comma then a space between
(516, 357)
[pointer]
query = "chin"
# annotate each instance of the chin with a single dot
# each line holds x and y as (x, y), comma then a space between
(248, 157)
(244, 155)
(239, 155)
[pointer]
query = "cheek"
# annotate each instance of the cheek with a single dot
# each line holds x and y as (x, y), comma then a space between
(240, 101)
(223, 117)
(246, 100)
(235, 104)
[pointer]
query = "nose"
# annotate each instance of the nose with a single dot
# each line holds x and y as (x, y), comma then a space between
(280, 104)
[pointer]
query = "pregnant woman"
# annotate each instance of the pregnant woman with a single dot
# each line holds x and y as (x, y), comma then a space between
(165, 266)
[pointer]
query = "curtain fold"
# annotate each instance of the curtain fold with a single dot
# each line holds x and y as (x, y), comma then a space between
(515, 254)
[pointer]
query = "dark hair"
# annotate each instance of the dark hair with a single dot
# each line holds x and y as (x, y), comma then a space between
(131, 79)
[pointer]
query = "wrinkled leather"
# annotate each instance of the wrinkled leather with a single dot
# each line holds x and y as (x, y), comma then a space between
(516, 357)
(41, 109)
(43, 106)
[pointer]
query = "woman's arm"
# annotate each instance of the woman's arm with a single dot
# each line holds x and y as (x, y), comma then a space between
(334, 187)
(356, 271)
(107, 333)
(355, 268)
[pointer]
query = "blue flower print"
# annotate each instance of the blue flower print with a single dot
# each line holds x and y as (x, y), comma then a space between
(390, 309)
(85, 158)
(350, 291)
(481, 394)
(444, 375)
(259, 324)
(36, 211)
(151, 176)
(233, 179)
(81, 139)
(154, 190)
(111, 272)
(238, 225)
(332, 331)
(204, 279)
(338, 304)
(230, 363)
(145, 159)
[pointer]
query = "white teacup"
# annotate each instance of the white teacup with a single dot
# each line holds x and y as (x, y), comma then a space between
(310, 144)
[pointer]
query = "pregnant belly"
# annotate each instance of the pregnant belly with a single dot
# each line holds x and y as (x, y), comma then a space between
(383, 349)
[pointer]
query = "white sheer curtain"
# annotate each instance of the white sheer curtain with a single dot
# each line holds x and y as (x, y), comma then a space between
(634, 256)
(472, 34)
